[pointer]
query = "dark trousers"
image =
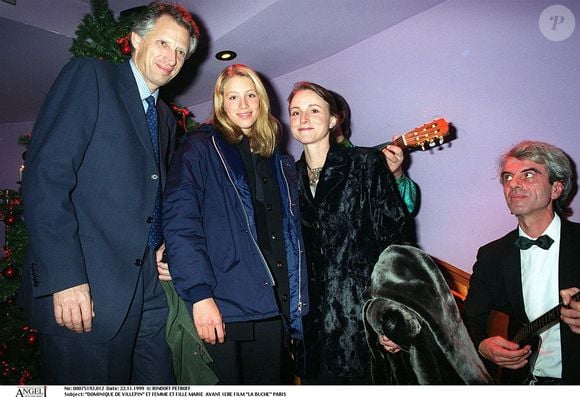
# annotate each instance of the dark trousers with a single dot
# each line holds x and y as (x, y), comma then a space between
(250, 360)
(326, 378)
(138, 354)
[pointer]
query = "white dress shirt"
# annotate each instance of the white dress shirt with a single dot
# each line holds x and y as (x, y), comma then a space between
(541, 293)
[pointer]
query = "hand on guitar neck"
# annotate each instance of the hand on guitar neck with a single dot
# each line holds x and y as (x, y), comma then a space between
(425, 136)
(395, 157)
(570, 312)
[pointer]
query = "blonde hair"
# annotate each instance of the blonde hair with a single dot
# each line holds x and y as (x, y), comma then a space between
(265, 133)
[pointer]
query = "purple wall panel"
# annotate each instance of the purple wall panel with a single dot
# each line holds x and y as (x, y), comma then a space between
(487, 68)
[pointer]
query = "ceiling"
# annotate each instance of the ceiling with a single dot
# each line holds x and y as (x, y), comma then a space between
(274, 37)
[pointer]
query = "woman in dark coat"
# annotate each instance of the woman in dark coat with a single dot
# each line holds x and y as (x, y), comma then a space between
(351, 211)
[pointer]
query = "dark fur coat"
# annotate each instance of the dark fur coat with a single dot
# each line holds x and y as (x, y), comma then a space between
(357, 212)
(409, 301)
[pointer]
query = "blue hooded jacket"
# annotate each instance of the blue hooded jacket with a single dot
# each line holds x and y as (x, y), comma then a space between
(210, 232)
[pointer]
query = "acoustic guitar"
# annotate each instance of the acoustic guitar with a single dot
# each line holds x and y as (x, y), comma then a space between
(425, 136)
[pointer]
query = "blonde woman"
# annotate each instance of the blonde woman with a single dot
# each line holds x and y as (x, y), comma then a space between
(233, 237)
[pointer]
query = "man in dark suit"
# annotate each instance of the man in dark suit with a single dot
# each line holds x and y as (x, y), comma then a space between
(524, 274)
(94, 174)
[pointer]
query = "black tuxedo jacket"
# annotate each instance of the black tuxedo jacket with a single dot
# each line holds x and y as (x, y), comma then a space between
(496, 285)
(89, 189)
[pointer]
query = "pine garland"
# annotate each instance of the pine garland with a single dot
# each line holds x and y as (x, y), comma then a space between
(15, 246)
(98, 32)
(19, 355)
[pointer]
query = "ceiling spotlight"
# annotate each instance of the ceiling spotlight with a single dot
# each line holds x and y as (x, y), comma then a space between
(226, 55)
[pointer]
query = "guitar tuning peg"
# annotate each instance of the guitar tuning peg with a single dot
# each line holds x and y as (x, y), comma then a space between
(422, 145)
(441, 140)
(432, 144)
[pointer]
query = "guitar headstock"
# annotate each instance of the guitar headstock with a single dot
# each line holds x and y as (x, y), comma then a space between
(426, 136)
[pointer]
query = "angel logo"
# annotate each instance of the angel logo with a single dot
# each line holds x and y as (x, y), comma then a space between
(31, 391)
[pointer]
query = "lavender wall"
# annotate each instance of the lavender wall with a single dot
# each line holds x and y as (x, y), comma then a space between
(486, 67)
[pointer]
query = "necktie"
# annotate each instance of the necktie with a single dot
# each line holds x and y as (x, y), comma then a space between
(151, 116)
(155, 234)
(544, 242)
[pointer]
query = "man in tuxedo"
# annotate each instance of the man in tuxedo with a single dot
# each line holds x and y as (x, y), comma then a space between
(528, 271)
(94, 174)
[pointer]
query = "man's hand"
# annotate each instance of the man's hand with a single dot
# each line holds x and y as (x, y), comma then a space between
(388, 344)
(395, 157)
(571, 315)
(208, 321)
(162, 267)
(73, 308)
(504, 353)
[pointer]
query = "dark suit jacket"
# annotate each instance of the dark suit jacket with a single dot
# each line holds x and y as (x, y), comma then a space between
(89, 189)
(356, 214)
(496, 284)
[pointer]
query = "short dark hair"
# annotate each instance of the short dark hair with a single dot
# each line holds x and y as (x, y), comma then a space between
(147, 19)
(343, 114)
(319, 90)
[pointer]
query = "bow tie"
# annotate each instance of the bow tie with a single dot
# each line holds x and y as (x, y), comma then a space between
(544, 242)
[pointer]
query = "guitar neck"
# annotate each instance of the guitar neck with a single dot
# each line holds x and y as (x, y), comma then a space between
(400, 142)
(385, 144)
(542, 323)
(425, 136)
